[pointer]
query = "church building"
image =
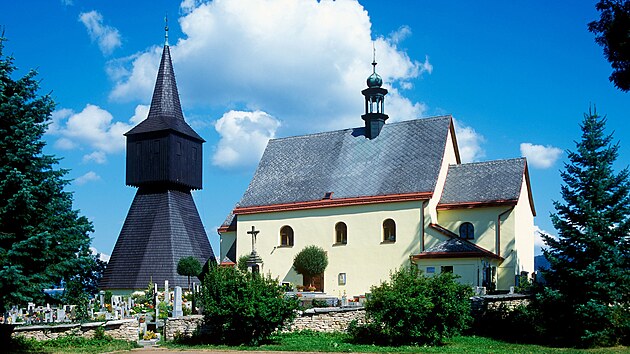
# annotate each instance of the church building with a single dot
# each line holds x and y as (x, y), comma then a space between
(382, 196)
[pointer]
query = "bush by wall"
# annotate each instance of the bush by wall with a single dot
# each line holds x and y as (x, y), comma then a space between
(415, 309)
(242, 308)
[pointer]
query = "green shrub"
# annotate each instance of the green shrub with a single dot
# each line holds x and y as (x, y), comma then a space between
(519, 324)
(242, 308)
(415, 309)
(241, 264)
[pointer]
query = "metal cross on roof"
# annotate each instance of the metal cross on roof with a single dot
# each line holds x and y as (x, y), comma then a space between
(254, 233)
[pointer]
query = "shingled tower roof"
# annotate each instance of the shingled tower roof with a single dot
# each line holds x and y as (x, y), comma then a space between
(166, 111)
(164, 159)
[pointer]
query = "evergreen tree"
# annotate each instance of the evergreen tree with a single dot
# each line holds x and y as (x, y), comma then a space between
(612, 32)
(587, 298)
(42, 240)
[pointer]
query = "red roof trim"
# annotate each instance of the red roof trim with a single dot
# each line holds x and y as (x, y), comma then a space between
(470, 205)
(328, 203)
(223, 229)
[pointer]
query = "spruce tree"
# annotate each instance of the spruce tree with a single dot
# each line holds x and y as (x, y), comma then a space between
(42, 239)
(587, 297)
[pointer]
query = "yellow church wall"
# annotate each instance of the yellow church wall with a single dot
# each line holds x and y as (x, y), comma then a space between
(366, 259)
(227, 239)
(487, 236)
(469, 269)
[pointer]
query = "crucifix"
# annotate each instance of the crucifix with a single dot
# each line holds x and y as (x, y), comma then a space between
(254, 233)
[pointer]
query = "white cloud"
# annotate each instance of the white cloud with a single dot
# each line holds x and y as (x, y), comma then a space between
(469, 143)
(244, 136)
(400, 34)
(540, 156)
(88, 177)
(65, 144)
(141, 113)
(97, 156)
(93, 128)
(107, 37)
(102, 256)
(304, 62)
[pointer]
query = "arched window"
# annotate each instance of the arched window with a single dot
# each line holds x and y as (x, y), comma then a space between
(286, 236)
(467, 231)
(389, 230)
(341, 233)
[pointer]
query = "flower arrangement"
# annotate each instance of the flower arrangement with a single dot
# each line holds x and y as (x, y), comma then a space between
(149, 335)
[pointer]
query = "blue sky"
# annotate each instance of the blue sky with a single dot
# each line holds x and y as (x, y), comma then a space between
(516, 76)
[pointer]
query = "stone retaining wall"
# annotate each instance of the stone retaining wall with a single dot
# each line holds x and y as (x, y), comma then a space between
(328, 319)
(506, 302)
(185, 326)
(117, 329)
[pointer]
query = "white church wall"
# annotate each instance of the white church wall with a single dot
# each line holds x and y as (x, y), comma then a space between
(449, 159)
(365, 260)
(524, 232)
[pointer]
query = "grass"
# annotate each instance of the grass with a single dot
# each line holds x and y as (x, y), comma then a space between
(69, 344)
(307, 341)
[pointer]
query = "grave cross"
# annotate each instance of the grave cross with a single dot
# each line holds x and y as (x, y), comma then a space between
(254, 233)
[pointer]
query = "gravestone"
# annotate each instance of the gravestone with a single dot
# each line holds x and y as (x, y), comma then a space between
(157, 303)
(61, 315)
(177, 302)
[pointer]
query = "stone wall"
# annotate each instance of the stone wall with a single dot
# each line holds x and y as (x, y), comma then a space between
(117, 329)
(506, 302)
(182, 326)
(328, 319)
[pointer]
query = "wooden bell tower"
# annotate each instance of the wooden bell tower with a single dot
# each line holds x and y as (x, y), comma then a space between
(164, 161)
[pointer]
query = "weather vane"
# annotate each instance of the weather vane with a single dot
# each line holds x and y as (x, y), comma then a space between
(374, 56)
(166, 29)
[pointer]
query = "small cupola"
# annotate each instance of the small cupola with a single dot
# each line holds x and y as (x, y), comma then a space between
(374, 116)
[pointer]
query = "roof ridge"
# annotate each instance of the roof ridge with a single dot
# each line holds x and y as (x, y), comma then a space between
(408, 121)
(488, 162)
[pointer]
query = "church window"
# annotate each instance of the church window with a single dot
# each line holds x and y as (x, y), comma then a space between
(467, 231)
(389, 231)
(341, 233)
(446, 269)
(286, 236)
(179, 148)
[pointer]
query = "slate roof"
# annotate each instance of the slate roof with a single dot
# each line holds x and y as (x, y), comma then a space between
(166, 111)
(479, 182)
(404, 158)
(454, 247)
(161, 227)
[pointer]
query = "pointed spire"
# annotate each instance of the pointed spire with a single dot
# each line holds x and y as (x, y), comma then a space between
(165, 101)
(166, 111)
